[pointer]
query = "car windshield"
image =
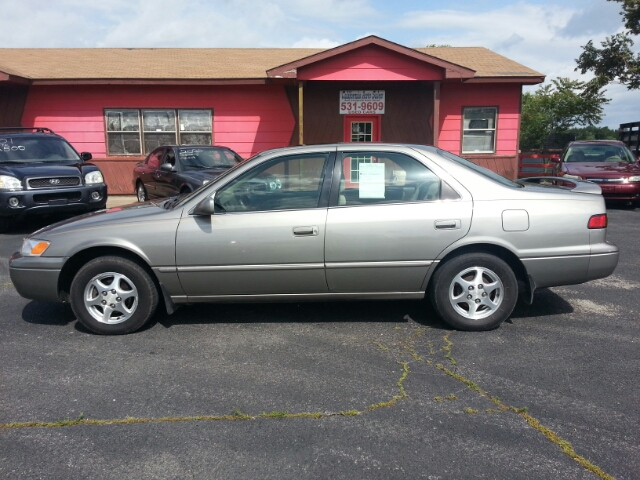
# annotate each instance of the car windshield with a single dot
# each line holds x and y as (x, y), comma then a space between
(598, 153)
(23, 149)
(198, 158)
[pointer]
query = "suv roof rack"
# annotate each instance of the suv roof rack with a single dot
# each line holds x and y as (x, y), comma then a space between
(21, 129)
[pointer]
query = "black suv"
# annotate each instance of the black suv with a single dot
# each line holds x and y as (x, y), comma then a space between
(40, 173)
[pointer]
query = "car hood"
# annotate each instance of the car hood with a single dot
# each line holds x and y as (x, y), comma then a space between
(109, 218)
(603, 169)
(49, 169)
(204, 175)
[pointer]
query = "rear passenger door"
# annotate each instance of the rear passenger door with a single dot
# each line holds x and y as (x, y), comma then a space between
(388, 220)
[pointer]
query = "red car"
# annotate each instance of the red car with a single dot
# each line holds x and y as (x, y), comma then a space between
(609, 163)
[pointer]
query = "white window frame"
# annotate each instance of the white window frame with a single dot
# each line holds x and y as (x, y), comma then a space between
(493, 129)
(177, 131)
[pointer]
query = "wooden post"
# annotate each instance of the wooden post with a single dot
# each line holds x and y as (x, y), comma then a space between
(301, 113)
(436, 112)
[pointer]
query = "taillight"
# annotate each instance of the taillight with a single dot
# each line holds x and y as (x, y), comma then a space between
(598, 221)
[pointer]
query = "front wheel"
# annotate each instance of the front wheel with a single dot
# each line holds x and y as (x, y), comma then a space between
(141, 193)
(475, 291)
(112, 295)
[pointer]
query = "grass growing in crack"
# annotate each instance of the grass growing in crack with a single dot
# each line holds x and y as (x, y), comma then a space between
(284, 414)
(451, 397)
(350, 413)
(241, 416)
(403, 393)
(553, 437)
(471, 411)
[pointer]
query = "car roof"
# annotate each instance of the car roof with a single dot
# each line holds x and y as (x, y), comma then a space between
(595, 142)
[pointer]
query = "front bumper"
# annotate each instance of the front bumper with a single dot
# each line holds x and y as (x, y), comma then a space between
(58, 200)
(623, 191)
(36, 278)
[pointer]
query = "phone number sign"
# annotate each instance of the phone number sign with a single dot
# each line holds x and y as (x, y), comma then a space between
(362, 102)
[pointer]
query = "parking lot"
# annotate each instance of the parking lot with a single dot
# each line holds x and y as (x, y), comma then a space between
(328, 390)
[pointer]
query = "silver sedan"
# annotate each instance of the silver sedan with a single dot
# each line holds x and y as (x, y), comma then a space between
(327, 222)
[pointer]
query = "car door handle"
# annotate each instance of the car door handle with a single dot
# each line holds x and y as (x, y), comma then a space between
(305, 231)
(448, 224)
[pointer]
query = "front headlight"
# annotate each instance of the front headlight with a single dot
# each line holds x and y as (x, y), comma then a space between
(573, 177)
(32, 247)
(635, 179)
(10, 183)
(92, 178)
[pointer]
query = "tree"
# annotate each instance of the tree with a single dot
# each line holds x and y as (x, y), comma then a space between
(615, 61)
(555, 108)
(594, 133)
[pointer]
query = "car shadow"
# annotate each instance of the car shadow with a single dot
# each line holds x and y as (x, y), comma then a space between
(307, 312)
(546, 303)
(48, 313)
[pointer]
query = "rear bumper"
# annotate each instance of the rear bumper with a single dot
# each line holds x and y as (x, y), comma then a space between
(59, 200)
(574, 269)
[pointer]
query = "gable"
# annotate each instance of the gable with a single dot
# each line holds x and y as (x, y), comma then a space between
(370, 62)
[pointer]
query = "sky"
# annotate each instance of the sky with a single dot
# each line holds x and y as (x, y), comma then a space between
(545, 35)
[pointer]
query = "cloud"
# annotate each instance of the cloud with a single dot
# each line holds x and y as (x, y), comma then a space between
(307, 42)
(596, 17)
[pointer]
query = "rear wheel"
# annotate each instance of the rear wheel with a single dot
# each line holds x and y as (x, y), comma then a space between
(475, 291)
(112, 295)
(141, 193)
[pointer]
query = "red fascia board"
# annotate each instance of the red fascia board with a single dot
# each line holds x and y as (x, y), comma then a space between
(8, 78)
(141, 81)
(532, 80)
(290, 70)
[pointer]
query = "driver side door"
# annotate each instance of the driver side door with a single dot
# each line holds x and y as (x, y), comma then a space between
(266, 236)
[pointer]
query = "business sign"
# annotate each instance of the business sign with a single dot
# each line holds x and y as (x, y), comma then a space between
(361, 102)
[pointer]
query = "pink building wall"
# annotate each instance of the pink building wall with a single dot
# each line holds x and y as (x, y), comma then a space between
(247, 119)
(455, 96)
(370, 63)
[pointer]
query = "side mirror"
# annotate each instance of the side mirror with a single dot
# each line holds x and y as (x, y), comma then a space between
(206, 207)
(86, 156)
(167, 167)
(555, 159)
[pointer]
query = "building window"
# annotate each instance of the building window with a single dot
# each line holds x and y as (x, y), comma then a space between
(137, 132)
(479, 130)
(356, 160)
(362, 131)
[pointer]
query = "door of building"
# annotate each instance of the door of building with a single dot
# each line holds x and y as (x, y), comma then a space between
(362, 128)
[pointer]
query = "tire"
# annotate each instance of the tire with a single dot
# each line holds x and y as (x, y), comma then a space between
(459, 292)
(141, 193)
(112, 295)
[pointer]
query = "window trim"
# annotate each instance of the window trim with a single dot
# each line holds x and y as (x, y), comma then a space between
(463, 130)
(141, 131)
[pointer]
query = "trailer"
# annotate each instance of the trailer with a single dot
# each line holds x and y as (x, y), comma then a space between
(629, 133)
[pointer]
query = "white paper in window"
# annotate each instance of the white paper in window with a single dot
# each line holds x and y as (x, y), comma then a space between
(371, 176)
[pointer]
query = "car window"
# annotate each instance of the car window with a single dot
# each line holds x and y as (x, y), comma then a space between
(22, 149)
(292, 182)
(155, 158)
(598, 153)
(170, 156)
(201, 158)
(369, 178)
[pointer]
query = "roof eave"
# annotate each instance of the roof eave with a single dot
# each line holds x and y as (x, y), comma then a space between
(13, 79)
(525, 79)
(151, 81)
(290, 70)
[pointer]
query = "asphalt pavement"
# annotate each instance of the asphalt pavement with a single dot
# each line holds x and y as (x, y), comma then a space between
(362, 390)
